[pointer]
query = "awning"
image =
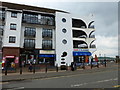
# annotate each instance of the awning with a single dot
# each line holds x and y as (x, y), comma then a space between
(46, 55)
(10, 56)
(82, 53)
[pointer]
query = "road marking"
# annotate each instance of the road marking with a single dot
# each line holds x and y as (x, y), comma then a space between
(78, 85)
(3, 82)
(16, 88)
(116, 86)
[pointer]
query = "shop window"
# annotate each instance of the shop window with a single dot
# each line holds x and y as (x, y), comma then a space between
(12, 39)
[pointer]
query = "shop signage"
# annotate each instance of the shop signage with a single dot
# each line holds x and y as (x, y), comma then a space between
(47, 52)
(10, 56)
(81, 50)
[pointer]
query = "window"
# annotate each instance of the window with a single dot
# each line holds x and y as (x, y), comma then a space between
(64, 20)
(47, 33)
(29, 31)
(47, 44)
(12, 26)
(64, 41)
(29, 43)
(14, 14)
(64, 30)
(12, 39)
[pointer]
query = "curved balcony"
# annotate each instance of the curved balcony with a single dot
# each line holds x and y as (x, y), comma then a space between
(79, 44)
(78, 23)
(92, 36)
(91, 25)
(93, 46)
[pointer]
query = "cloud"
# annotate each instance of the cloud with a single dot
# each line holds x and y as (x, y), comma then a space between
(107, 45)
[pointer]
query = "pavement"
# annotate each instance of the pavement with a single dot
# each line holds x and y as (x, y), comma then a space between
(39, 75)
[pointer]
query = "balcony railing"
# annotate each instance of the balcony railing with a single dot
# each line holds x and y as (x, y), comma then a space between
(2, 16)
(93, 46)
(1, 29)
(92, 36)
(42, 21)
(29, 45)
(92, 26)
(28, 33)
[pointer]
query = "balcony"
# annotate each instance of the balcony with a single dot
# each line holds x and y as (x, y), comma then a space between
(2, 16)
(47, 33)
(1, 30)
(79, 44)
(92, 27)
(29, 33)
(93, 46)
(43, 21)
(47, 44)
(92, 36)
(29, 43)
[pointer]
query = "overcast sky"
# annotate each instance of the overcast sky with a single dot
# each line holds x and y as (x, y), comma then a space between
(105, 16)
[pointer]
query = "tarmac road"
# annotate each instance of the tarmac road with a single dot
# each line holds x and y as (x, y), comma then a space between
(104, 79)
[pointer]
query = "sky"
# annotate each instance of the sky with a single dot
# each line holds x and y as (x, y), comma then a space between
(105, 15)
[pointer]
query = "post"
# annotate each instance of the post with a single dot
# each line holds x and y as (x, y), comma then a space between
(105, 60)
(91, 63)
(56, 67)
(66, 67)
(45, 65)
(20, 65)
(21, 69)
(97, 65)
(34, 69)
(83, 63)
(6, 67)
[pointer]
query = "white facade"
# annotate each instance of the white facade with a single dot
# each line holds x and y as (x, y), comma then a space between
(62, 40)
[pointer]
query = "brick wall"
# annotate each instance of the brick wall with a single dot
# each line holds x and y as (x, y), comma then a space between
(11, 51)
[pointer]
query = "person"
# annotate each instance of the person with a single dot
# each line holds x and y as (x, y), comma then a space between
(23, 63)
(12, 65)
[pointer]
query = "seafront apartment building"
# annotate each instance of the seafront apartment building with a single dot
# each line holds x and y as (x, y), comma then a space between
(29, 33)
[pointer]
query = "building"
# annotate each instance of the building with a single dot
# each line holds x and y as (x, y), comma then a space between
(45, 35)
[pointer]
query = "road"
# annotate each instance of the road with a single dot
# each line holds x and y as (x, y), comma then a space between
(104, 79)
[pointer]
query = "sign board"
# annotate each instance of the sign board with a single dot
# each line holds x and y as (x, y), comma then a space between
(81, 50)
(47, 52)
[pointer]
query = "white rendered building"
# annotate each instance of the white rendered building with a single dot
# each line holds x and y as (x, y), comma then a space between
(46, 35)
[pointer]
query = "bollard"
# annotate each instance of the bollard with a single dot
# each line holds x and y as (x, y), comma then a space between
(66, 67)
(97, 65)
(21, 70)
(34, 69)
(6, 70)
(105, 63)
(91, 65)
(46, 68)
(83, 65)
(57, 68)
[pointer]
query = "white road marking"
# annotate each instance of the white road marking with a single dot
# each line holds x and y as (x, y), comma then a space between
(78, 85)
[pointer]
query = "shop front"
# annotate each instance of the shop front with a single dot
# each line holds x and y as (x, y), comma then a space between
(80, 57)
(48, 59)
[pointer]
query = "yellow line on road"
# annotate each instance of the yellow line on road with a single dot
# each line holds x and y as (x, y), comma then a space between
(3, 82)
(117, 86)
